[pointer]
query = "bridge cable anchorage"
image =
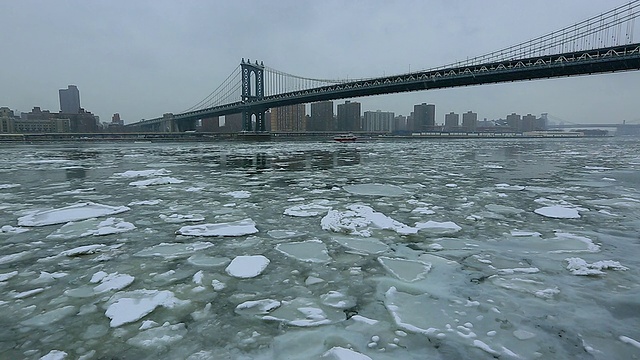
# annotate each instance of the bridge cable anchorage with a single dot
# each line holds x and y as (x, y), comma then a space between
(600, 31)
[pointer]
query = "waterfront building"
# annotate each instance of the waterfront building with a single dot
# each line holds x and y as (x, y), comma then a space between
(232, 123)
(348, 118)
(513, 122)
(470, 121)
(451, 121)
(69, 100)
(289, 118)
(528, 123)
(424, 117)
(378, 121)
(7, 120)
(322, 118)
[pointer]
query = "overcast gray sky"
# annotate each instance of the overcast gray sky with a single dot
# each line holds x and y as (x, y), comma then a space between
(146, 57)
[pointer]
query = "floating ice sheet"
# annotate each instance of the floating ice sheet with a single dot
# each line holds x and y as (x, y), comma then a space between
(340, 353)
(405, 270)
(359, 219)
(173, 250)
(156, 181)
(235, 228)
(362, 246)
(578, 266)
(92, 227)
(76, 212)
(143, 173)
(241, 194)
(438, 228)
(159, 337)
(126, 307)
(247, 266)
(558, 212)
(375, 190)
(178, 218)
(306, 210)
(313, 251)
(300, 312)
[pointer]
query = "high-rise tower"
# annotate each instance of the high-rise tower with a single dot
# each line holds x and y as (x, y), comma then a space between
(70, 100)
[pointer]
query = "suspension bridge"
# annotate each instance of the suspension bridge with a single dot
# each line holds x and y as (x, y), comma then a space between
(601, 44)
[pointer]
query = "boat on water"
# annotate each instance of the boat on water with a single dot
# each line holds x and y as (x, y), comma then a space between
(345, 138)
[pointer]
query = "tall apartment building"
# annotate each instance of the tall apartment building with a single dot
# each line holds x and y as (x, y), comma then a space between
(321, 117)
(451, 121)
(378, 121)
(69, 100)
(528, 123)
(424, 117)
(514, 122)
(470, 121)
(289, 118)
(348, 118)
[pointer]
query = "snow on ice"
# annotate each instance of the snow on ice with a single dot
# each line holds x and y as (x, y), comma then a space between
(578, 266)
(235, 228)
(247, 266)
(131, 306)
(76, 212)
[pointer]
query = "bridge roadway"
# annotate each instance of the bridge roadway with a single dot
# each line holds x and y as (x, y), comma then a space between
(586, 62)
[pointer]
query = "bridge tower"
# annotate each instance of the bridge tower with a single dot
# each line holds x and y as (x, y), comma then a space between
(252, 90)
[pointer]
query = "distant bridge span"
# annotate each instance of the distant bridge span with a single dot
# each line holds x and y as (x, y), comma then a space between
(252, 89)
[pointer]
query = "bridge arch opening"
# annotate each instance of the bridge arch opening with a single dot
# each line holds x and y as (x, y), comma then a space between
(253, 83)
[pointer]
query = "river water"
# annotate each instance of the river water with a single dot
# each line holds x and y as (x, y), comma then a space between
(407, 249)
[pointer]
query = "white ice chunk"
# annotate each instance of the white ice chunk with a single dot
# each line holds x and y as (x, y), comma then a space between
(76, 212)
(156, 181)
(306, 210)
(375, 190)
(410, 313)
(247, 266)
(178, 218)
(506, 187)
(405, 270)
(8, 229)
(113, 226)
(159, 337)
(558, 212)
(530, 286)
(313, 251)
(364, 246)
(630, 341)
(359, 218)
(299, 312)
(529, 270)
(174, 250)
(83, 250)
(340, 353)
(235, 228)
(54, 355)
(7, 259)
(578, 266)
(257, 307)
(145, 202)
(143, 173)
(438, 228)
(8, 186)
(113, 281)
(241, 194)
(521, 233)
(338, 300)
(126, 307)
(7, 276)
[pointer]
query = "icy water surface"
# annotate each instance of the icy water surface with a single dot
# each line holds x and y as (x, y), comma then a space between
(510, 249)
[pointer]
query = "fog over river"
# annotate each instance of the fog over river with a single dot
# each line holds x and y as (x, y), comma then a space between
(389, 249)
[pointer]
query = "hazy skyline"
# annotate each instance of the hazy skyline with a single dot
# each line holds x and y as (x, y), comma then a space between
(144, 58)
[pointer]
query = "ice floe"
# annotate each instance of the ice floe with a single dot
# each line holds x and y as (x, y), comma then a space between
(173, 250)
(207, 261)
(145, 202)
(247, 266)
(257, 307)
(340, 353)
(130, 306)
(47, 318)
(159, 337)
(7, 276)
(54, 355)
(375, 190)
(109, 282)
(178, 218)
(83, 250)
(92, 227)
(76, 212)
(9, 258)
(8, 229)
(558, 212)
(8, 186)
(362, 246)
(165, 180)
(143, 173)
(578, 266)
(405, 270)
(313, 251)
(438, 228)
(235, 228)
(307, 210)
(338, 300)
(241, 194)
(302, 312)
(359, 220)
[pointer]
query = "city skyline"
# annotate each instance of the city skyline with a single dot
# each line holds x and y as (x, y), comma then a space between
(117, 53)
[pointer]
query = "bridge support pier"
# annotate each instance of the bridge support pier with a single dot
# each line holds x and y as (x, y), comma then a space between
(253, 117)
